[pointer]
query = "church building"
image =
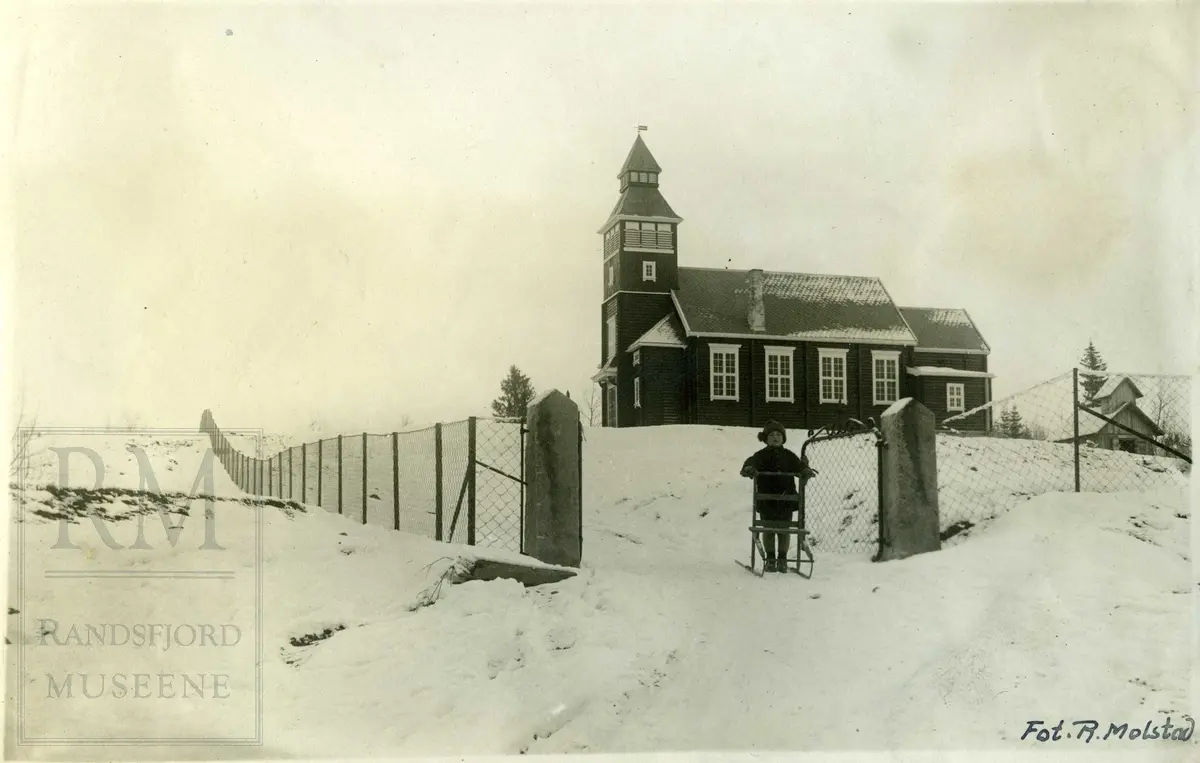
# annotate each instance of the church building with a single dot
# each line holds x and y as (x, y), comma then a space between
(689, 345)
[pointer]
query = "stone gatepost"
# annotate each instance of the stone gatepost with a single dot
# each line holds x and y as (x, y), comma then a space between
(908, 501)
(553, 481)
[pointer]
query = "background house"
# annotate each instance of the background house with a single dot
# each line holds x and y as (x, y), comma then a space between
(687, 345)
(1117, 400)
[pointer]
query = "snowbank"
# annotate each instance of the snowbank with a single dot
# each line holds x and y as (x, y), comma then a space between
(1061, 605)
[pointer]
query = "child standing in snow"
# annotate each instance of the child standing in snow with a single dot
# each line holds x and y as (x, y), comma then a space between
(775, 458)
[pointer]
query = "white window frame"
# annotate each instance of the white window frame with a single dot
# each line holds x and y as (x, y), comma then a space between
(723, 349)
(649, 270)
(612, 275)
(836, 354)
(637, 392)
(611, 323)
(886, 355)
(780, 352)
(611, 403)
(962, 396)
(637, 357)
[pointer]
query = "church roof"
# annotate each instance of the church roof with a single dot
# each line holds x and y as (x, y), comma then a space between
(642, 201)
(800, 306)
(639, 160)
(944, 329)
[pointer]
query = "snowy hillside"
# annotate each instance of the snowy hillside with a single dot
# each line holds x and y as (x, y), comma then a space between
(1073, 606)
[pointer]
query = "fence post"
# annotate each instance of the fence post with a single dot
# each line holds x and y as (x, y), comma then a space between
(579, 465)
(303, 472)
(291, 479)
(320, 468)
(1075, 412)
(471, 481)
(437, 471)
(521, 487)
(553, 522)
(908, 504)
(880, 444)
(339, 474)
(364, 471)
(395, 481)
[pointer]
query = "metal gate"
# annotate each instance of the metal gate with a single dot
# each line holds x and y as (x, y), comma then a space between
(840, 506)
(489, 505)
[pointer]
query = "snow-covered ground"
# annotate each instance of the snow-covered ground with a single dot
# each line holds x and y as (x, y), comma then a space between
(1063, 607)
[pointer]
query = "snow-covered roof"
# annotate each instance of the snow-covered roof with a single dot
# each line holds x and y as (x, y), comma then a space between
(666, 333)
(943, 371)
(605, 372)
(1111, 384)
(944, 329)
(797, 306)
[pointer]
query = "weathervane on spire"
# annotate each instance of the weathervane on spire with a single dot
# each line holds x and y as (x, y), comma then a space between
(642, 128)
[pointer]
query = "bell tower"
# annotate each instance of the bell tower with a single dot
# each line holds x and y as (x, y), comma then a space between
(640, 270)
(641, 233)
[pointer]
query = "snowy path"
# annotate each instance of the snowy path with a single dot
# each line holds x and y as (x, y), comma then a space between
(954, 650)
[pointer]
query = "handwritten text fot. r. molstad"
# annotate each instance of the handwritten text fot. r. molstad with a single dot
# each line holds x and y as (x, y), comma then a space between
(1090, 730)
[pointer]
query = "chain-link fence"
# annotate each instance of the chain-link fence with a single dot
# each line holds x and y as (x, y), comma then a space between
(499, 476)
(460, 482)
(1082, 431)
(840, 507)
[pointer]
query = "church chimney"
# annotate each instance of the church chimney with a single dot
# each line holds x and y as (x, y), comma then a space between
(758, 313)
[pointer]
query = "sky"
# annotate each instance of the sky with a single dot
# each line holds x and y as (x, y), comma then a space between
(339, 218)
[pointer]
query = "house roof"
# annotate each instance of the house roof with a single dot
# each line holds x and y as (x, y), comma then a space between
(1090, 425)
(797, 306)
(666, 333)
(944, 329)
(1111, 384)
(640, 159)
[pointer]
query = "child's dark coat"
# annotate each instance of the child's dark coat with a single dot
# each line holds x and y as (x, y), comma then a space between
(776, 460)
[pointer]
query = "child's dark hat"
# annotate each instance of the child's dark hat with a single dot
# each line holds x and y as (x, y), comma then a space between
(772, 426)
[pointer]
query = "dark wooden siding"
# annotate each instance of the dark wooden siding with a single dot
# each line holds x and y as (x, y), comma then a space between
(860, 380)
(721, 412)
(607, 310)
(956, 360)
(629, 272)
(636, 314)
(615, 262)
(662, 371)
(933, 395)
(819, 414)
(866, 407)
(791, 415)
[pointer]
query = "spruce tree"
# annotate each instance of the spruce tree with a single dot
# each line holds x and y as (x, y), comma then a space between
(1092, 361)
(516, 392)
(1011, 424)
